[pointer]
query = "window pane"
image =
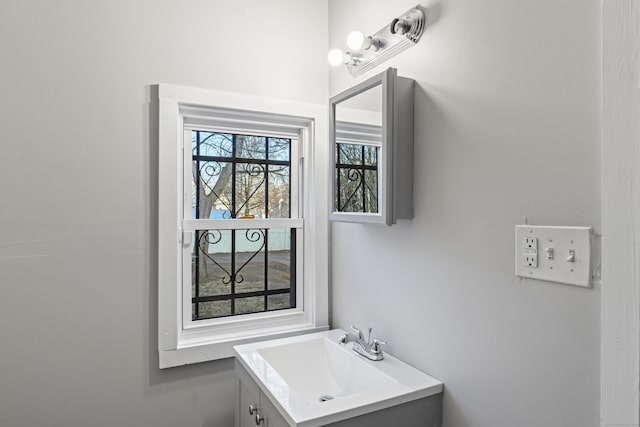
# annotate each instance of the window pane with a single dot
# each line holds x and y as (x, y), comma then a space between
(371, 193)
(349, 192)
(279, 178)
(251, 147)
(356, 178)
(279, 270)
(249, 305)
(211, 309)
(279, 301)
(349, 154)
(211, 189)
(250, 260)
(212, 268)
(279, 149)
(211, 144)
(237, 271)
(250, 190)
(236, 176)
(370, 155)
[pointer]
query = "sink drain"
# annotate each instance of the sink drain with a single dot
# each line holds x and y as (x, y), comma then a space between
(325, 398)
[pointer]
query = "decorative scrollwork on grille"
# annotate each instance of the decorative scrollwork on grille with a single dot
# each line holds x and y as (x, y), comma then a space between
(213, 237)
(354, 176)
(253, 171)
(211, 175)
(252, 236)
(208, 239)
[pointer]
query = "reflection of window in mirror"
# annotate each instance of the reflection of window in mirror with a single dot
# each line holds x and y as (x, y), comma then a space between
(357, 150)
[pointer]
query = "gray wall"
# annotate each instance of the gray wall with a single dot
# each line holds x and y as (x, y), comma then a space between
(77, 274)
(507, 126)
(507, 108)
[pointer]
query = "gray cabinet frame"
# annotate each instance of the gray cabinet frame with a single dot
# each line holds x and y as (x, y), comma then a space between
(395, 178)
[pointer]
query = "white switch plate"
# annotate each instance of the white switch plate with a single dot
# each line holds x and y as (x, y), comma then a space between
(551, 247)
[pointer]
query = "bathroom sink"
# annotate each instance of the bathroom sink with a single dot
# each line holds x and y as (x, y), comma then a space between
(319, 367)
(313, 380)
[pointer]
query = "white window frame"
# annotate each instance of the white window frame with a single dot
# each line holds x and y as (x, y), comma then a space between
(181, 341)
(199, 328)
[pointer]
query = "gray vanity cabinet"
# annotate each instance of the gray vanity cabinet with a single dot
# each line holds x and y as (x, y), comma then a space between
(272, 417)
(425, 412)
(253, 408)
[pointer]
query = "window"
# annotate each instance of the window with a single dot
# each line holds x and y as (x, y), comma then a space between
(237, 187)
(249, 268)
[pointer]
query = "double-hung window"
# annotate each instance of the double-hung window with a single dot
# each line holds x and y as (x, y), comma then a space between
(242, 249)
(245, 223)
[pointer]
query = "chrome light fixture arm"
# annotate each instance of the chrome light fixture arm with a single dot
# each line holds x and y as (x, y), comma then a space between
(368, 51)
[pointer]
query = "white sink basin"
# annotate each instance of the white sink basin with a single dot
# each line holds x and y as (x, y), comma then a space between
(313, 380)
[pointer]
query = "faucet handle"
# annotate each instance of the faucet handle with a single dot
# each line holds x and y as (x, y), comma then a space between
(376, 346)
(358, 332)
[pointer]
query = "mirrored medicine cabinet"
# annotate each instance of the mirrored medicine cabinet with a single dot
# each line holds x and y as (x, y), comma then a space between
(371, 162)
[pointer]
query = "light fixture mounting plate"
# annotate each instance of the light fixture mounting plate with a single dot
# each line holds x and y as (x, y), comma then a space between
(401, 34)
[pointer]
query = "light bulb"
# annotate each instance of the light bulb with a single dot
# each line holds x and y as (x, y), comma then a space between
(335, 57)
(356, 40)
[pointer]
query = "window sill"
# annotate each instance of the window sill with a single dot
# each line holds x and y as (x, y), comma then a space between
(214, 349)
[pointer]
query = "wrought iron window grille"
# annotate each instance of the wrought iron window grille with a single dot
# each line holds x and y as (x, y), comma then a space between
(356, 178)
(230, 174)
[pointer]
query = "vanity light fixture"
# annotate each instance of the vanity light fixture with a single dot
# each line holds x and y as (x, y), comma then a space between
(368, 51)
(336, 57)
(358, 41)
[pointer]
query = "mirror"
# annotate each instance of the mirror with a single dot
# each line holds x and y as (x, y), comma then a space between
(358, 142)
(372, 146)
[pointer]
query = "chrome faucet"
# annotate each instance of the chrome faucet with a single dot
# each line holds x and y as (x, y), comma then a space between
(371, 349)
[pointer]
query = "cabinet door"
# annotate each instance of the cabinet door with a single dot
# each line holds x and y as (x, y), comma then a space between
(272, 417)
(248, 399)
